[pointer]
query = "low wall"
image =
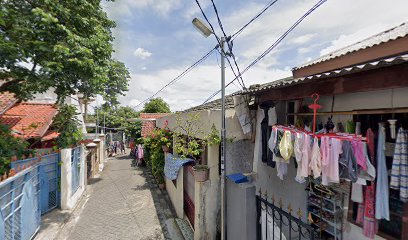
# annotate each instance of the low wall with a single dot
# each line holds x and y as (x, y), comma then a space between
(69, 200)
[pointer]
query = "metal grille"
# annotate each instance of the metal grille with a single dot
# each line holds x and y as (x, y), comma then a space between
(75, 168)
(49, 179)
(18, 227)
(276, 223)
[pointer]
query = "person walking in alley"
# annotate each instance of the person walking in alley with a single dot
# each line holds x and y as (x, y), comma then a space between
(115, 147)
(122, 147)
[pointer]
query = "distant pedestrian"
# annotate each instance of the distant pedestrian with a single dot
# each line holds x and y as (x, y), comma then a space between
(122, 147)
(115, 147)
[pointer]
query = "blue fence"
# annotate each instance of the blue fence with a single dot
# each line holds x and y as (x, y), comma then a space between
(20, 213)
(75, 168)
(49, 182)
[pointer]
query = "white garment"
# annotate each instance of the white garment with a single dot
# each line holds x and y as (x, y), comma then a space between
(306, 154)
(316, 159)
(258, 139)
(242, 111)
(331, 148)
(269, 226)
(272, 118)
(299, 138)
(357, 193)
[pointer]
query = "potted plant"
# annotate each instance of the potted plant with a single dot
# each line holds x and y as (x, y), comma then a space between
(160, 181)
(188, 145)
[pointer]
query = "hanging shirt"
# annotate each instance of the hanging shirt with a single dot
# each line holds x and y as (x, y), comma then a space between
(316, 159)
(331, 149)
(399, 171)
(285, 146)
(382, 210)
(306, 154)
(347, 162)
(359, 155)
(281, 164)
(299, 138)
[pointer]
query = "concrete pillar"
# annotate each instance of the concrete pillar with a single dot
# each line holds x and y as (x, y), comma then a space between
(66, 175)
(207, 199)
(91, 148)
(103, 148)
(82, 171)
(97, 141)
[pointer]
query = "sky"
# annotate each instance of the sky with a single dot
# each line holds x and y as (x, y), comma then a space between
(157, 41)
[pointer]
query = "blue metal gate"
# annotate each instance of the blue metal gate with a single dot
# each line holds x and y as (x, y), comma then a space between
(75, 168)
(20, 213)
(49, 182)
(49, 176)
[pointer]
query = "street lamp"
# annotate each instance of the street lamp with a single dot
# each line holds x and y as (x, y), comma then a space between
(205, 31)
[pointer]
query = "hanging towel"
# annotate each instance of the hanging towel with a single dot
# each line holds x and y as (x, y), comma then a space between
(399, 171)
(173, 165)
(382, 210)
(316, 159)
(242, 112)
(258, 139)
(286, 146)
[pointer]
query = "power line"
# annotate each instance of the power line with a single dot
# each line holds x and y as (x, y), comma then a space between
(271, 47)
(216, 37)
(179, 76)
(263, 10)
(229, 44)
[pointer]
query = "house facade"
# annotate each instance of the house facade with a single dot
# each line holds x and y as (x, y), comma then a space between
(360, 96)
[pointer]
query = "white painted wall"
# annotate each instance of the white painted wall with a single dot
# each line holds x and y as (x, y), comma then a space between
(68, 201)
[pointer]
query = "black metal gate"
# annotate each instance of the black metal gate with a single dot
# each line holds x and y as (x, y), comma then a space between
(276, 223)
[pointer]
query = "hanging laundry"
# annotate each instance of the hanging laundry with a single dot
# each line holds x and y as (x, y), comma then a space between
(316, 159)
(357, 193)
(331, 149)
(273, 144)
(348, 163)
(370, 224)
(359, 154)
(306, 154)
(382, 210)
(399, 171)
(285, 146)
(299, 138)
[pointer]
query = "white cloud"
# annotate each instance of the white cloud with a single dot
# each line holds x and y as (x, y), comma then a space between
(143, 68)
(303, 38)
(142, 53)
(162, 7)
(195, 87)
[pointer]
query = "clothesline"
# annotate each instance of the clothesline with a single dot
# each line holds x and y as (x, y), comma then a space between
(341, 136)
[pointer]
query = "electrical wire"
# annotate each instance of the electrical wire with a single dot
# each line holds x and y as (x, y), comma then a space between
(271, 47)
(217, 38)
(263, 10)
(179, 76)
(229, 44)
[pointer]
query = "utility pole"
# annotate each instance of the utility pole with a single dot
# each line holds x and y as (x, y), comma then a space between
(223, 145)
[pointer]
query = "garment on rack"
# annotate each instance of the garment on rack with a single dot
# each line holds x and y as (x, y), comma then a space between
(382, 210)
(399, 171)
(285, 146)
(370, 173)
(357, 193)
(140, 153)
(371, 146)
(348, 163)
(306, 154)
(359, 154)
(370, 224)
(280, 163)
(299, 138)
(265, 136)
(316, 159)
(331, 149)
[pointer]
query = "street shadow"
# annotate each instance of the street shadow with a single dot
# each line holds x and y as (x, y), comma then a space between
(164, 207)
(93, 180)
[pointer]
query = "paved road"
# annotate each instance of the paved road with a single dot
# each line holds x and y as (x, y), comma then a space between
(123, 203)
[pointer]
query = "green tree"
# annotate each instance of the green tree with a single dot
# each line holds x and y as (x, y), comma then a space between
(66, 45)
(66, 123)
(156, 105)
(118, 117)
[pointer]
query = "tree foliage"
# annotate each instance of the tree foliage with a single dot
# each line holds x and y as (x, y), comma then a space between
(118, 117)
(66, 123)
(156, 105)
(66, 45)
(10, 146)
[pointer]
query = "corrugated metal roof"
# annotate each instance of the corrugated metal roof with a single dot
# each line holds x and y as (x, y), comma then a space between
(213, 105)
(335, 73)
(383, 37)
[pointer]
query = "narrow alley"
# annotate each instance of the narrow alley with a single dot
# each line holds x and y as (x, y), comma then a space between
(123, 203)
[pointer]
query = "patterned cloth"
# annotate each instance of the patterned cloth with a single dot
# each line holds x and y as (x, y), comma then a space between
(172, 166)
(399, 171)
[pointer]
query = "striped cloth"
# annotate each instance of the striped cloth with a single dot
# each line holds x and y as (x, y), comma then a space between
(399, 171)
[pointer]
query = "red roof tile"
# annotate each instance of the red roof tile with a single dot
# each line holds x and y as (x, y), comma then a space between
(29, 120)
(49, 135)
(148, 127)
(153, 115)
(6, 101)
